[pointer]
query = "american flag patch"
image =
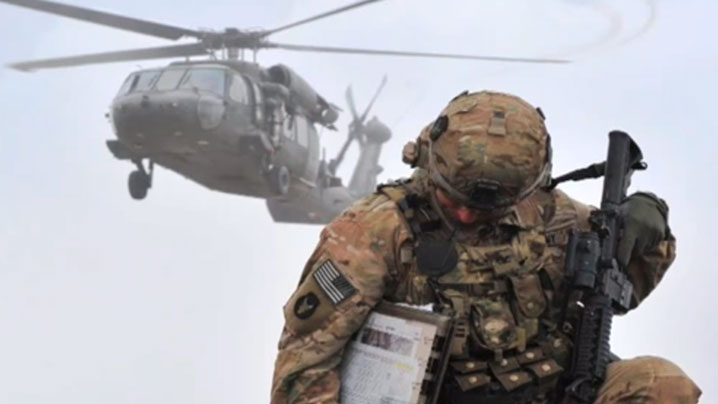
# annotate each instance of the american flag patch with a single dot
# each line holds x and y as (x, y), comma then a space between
(333, 283)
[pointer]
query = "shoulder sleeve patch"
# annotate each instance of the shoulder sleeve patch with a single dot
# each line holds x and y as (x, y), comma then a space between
(333, 283)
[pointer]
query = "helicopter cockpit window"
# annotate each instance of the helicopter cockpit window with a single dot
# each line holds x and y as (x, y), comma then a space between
(169, 80)
(144, 81)
(127, 85)
(205, 79)
(238, 90)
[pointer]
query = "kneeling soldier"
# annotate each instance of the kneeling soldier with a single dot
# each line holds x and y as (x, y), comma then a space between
(476, 228)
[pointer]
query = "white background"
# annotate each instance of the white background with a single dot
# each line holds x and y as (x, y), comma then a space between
(177, 299)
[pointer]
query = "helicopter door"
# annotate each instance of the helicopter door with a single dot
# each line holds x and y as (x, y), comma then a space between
(309, 148)
(293, 152)
(258, 103)
(241, 111)
(312, 168)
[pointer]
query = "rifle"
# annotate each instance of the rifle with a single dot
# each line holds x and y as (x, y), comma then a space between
(593, 271)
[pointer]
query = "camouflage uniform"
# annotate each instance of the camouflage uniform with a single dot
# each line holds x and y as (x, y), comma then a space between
(506, 285)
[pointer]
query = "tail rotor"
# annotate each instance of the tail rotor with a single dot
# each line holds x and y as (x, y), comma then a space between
(359, 129)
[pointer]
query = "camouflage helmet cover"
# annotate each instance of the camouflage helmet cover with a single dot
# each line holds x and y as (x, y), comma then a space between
(489, 150)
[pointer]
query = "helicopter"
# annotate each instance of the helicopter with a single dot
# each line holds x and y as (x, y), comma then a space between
(233, 125)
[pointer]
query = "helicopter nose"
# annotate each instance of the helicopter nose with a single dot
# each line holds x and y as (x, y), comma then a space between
(154, 117)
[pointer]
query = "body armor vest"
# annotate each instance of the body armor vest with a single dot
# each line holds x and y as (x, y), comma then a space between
(501, 290)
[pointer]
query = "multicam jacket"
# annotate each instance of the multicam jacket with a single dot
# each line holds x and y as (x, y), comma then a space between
(506, 288)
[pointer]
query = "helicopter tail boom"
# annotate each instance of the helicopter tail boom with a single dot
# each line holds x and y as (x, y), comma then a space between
(367, 169)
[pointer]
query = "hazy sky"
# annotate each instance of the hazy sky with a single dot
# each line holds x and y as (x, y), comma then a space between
(177, 299)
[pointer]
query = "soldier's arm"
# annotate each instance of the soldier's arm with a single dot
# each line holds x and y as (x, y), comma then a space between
(650, 257)
(646, 268)
(343, 280)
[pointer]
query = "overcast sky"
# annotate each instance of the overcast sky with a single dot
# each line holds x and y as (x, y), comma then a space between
(177, 299)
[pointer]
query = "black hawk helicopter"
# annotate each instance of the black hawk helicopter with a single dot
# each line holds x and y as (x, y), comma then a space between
(232, 125)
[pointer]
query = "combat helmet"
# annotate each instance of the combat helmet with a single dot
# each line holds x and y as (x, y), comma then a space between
(488, 150)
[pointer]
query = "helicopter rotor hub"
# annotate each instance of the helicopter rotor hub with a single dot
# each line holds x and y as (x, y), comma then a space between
(233, 38)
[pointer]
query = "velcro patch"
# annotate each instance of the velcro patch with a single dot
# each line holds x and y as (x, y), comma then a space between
(306, 305)
(333, 283)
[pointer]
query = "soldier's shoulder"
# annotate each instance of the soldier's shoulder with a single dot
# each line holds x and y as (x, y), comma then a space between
(382, 208)
(389, 195)
(378, 208)
(371, 205)
(565, 212)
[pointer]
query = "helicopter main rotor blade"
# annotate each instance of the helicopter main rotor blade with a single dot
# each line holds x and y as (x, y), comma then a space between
(108, 19)
(357, 51)
(320, 16)
(110, 57)
(373, 99)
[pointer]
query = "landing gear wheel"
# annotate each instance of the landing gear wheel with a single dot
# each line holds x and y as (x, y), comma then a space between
(138, 184)
(279, 179)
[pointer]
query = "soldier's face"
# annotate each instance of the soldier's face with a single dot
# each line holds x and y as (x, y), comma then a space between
(458, 212)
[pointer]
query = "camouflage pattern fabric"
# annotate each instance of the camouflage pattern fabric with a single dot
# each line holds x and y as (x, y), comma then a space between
(647, 380)
(362, 243)
(370, 246)
(492, 137)
(506, 286)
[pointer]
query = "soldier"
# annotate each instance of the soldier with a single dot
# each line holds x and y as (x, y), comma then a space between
(476, 227)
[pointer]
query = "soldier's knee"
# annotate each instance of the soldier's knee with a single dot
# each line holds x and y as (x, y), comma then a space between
(648, 379)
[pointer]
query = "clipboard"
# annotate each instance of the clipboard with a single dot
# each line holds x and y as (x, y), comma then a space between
(399, 356)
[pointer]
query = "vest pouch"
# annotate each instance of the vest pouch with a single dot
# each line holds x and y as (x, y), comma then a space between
(529, 294)
(500, 259)
(472, 381)
(493, 324)
(512, 381)
(546, 372)
(468, 366)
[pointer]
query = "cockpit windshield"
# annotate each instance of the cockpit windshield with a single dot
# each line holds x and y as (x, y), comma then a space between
(169, 79)
(127, 85)
(207, 79)
(141, 81)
